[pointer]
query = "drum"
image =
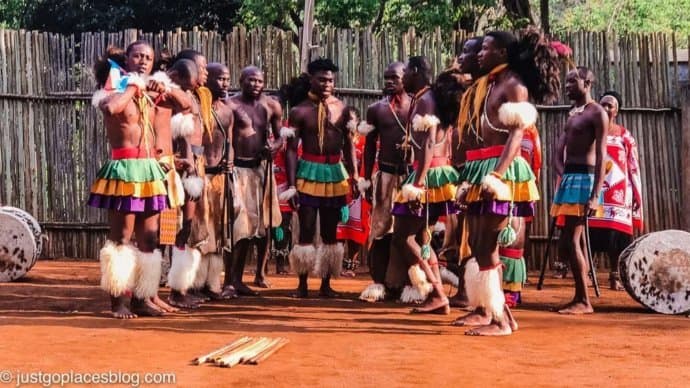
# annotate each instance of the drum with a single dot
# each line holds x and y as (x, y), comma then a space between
(20, 243)
(655, 271)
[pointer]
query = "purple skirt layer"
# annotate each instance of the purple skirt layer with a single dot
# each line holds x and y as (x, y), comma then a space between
(129, 204)
(312, 201)
(436, 210)
(501, 208)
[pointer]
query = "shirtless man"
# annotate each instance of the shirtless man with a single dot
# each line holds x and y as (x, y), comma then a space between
(188, 131)
(584, 145)
(385, 125)
(133, 168)
(218, 155)
(491, 171)
(469, 65)
(427, 193)
(253, 114)
(319, 181)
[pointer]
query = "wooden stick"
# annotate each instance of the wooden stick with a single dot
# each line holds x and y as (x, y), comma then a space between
(207, 357)
(268, 347)
(257, 360)
(216, 359)
(236, 357)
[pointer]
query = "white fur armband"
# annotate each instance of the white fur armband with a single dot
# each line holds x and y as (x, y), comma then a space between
(424, 123)
(351, 125)
(136, 80)
(287, 132)
(193, 186)
(411, 192)
(182, 125)
(517, 114)
(364, 128)
(363, 184)
(98, 96)
(493, 185)
(162, 77)
(287, 194)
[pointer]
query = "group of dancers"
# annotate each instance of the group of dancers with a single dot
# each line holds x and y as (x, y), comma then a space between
(194, 168)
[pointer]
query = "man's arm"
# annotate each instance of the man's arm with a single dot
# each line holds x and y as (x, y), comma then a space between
(558, 158)
(227, 119)
(276, 121)
(515, 123)
(116, 103)
(349, 151)
(601, 129)
(370, 144)
(425, 108)
(291, 150)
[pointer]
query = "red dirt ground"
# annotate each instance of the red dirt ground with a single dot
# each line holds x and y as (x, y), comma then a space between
(54, 320)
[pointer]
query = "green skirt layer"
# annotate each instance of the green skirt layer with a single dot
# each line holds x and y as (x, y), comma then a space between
(437, 177)
(321, 172)
(132, 170)
(518, 171)
(514, 273)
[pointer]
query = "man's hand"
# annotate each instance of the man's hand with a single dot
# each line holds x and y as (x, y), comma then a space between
(591, 206)
(228, 166)
(165, 166)
(156, 86)
(461, 193)
(369, 194)
(294, 202)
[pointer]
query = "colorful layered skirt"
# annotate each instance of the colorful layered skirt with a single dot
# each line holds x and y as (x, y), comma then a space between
(322, 181)
(574, 191)
(519, 179)
(131, 181)
(439, 198)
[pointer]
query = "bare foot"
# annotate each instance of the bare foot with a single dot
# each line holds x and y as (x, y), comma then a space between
(229, 292)
(511, 320)
(163, 306)
(328, 292)
(180, 300)
(477, 317)
(300, 293)
(262, 283)
(119, 310)
(198, 295)
(616, 285)
(435, 305)
(459, 300)
(243, 290)
(493, 329)
(145, 308)
(577, 308)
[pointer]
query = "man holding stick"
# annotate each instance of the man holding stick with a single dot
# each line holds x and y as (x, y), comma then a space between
(254, 188)
(584, 145)
(385, 125)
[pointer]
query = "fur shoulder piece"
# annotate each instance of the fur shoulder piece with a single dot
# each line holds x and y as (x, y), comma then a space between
(364, 128)
(424, 123)
(136, 80)
(518, 114)
(287, 132)
(162, 77)
(182, 125)
(98, 96)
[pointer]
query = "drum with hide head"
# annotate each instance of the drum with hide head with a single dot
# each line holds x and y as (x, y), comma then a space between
(20, 243)
(655, 271)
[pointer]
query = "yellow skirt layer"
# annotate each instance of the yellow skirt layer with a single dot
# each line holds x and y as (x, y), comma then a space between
(115, 188)
(323, 189)
(568, 209)
(436, 195)
(521, 191)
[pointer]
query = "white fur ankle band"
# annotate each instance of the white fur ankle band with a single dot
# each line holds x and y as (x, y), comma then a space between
(193, 186)
(518, 114)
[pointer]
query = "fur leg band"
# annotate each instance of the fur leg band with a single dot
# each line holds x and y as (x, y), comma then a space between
(484, 288)
(193, 186)
(302, 258)
(201, 273)
(215, 271)
(118, 263)
(373, 293)
(329, 260)
(517, 114)
(419, 280)
(183, 268)
(411, 294)
(148, 274)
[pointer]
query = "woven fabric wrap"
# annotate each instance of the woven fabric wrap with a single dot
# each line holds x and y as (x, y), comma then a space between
(514, 273)
(518, 177)
(322, 184)
(130, 185)
(572, 194)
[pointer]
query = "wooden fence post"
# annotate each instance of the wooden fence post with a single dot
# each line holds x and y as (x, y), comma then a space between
(685, 156)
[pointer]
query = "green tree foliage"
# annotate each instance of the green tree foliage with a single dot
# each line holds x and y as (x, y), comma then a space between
(11, 13)
(622, 15)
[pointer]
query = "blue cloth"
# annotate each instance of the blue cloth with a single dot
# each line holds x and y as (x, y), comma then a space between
(575, 188)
